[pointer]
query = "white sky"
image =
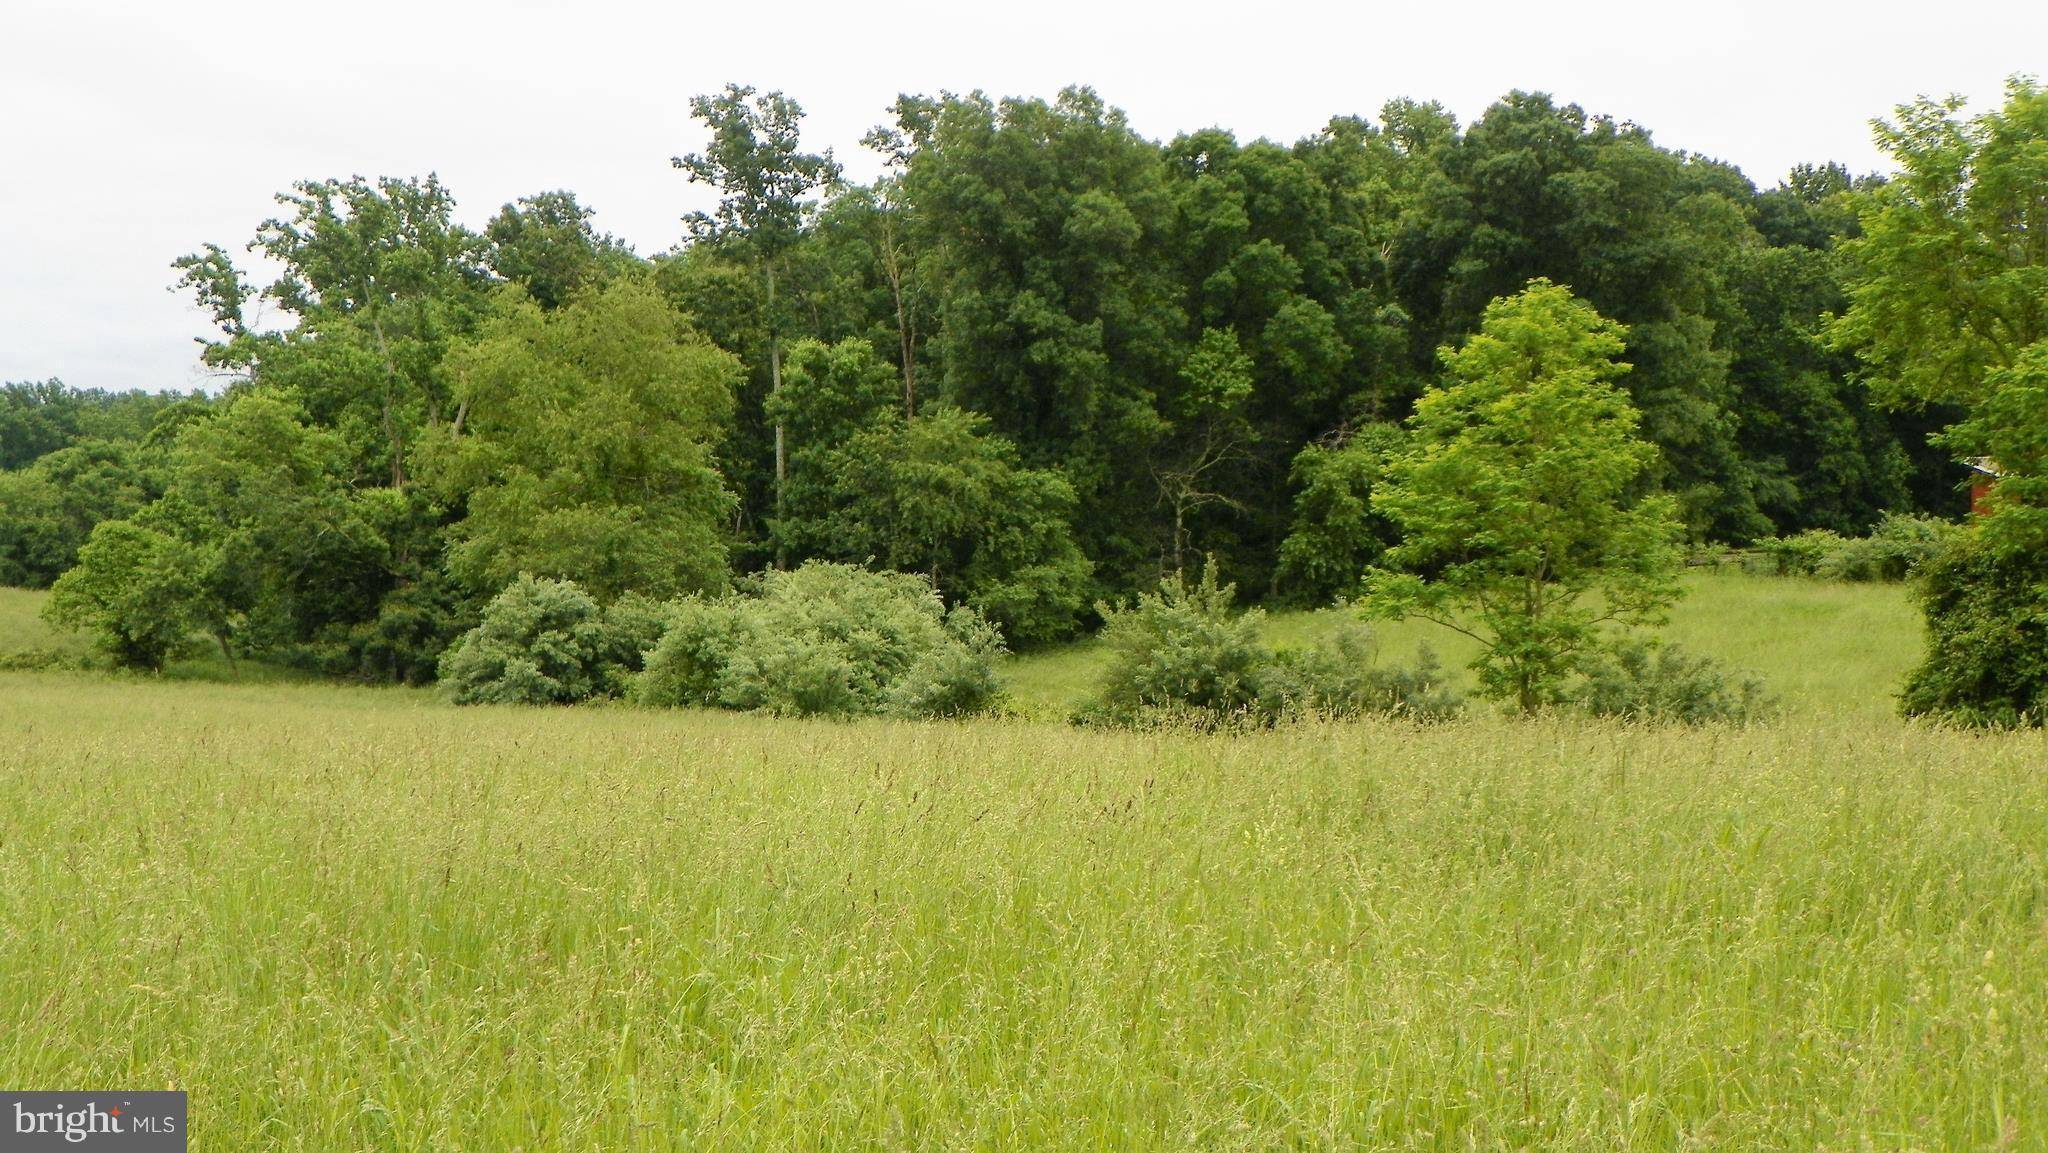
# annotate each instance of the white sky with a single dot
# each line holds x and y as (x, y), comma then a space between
(130, 134)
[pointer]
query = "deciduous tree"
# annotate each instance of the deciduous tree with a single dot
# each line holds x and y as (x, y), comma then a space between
(1516, 497)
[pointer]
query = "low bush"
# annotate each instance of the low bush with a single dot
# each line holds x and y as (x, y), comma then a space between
(1184, 656)
(1646, 681)
(1184, 647)
(540, 642)
(40, 660)
(1802, 553)
(1896, 547)
(826, 639)
(633, 626)
(1341, 677)
(416, 624)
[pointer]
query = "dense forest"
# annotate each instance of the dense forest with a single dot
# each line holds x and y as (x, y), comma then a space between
(1042, 360)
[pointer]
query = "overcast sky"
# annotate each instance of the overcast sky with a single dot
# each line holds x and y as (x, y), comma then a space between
(130, 134)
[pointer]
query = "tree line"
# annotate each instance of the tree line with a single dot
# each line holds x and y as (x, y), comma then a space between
(1041, 360)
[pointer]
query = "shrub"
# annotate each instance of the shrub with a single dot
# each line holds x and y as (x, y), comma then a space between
(40, 660)
(1987, 636)
(1896, 547)
(415, 625)
(632, 626)
(826, 639)
(685, 666)
(952, 680)
(1642, 680)
(1185, 656)
(1183, 648)
(540, 642)
(1340, 677)
(1803, 553)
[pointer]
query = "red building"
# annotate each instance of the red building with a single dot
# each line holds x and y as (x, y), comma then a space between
(1983, 475)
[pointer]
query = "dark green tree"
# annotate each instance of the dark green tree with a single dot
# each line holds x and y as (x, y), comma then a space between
(546, 245)
(755, 161)
(49, 509)
(1046, 236)
(1337, 533)
(1948, 295)
(1535, 189)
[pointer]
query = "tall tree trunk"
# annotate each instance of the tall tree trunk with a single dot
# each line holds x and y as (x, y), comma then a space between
(391, 432)
(775, 389)
(892, 267)
(1180, 536)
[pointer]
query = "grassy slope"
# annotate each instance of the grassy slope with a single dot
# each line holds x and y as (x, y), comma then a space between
(1825, 648)
(22, 628)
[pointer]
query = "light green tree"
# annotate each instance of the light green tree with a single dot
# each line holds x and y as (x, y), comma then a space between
(1516, 499)
(588, 450)
(1949, 280)
(1948, 291)
(138, 590)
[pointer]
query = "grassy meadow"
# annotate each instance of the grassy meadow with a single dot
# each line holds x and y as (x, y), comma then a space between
(363, 919)
(1825, 648)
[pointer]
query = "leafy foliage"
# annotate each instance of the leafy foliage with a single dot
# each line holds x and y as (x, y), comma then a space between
(259, 540)
(1040, 360)
(1182, 648)
(540, 643)
(1186, 656)
(1340, 676)
(826, 639)
(545, 244)
(941, 496)
(932, 492)
(1948, 292)
(1987, 635)
(1047, 225)
(1641, 681)
(138, 590)
(1948, 280)
(49, 508)
(1516, 499)
(1894, 550)
(584, 447)
(1337, 534)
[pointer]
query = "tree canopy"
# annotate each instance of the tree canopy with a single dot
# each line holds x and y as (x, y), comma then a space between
(1041, 360)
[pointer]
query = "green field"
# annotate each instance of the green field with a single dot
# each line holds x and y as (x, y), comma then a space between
(363, 919)
(1826, 649)
(21, 628)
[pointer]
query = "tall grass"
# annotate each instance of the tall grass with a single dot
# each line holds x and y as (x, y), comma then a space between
(360, 919)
